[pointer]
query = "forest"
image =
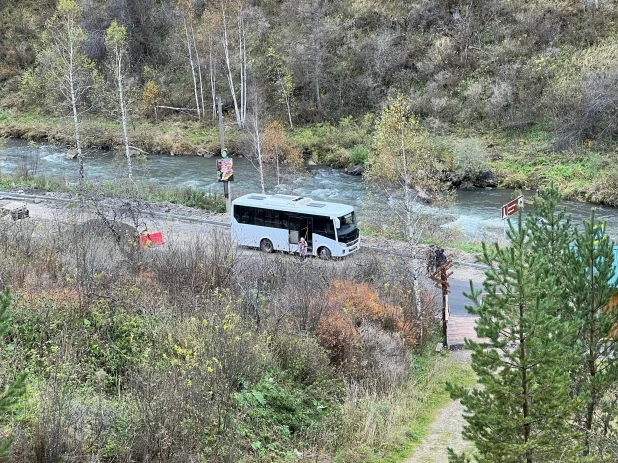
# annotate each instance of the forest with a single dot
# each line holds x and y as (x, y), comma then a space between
(524, 87)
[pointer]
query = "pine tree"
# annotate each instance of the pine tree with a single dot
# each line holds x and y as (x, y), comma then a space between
(551, 235)
(590, 288)
(12, 392)
(521, 411)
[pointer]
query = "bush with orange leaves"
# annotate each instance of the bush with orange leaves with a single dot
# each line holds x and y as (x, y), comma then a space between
(353, 305)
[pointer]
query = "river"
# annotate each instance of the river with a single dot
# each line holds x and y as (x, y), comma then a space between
(476, 213)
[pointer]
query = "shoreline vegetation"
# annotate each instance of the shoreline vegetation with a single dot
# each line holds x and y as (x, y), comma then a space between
(522, 159)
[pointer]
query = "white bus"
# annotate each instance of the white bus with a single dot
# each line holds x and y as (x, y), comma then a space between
(277, 222)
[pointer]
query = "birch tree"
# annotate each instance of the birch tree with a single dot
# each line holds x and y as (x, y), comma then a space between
(284, 80)
(240, 101)
(277, 149)
(254, 129)
(67, 68)
(402, 168)
(187, 22)
(116, 44)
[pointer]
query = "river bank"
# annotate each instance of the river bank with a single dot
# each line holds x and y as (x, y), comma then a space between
(519, 160)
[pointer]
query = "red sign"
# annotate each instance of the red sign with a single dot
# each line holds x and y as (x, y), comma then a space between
(512, 207)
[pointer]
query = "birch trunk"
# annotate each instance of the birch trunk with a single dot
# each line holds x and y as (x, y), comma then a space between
(243, 66)
(410, 230)
(73, 95)
(78, 144)
(123, 115)
(287, 100)
(199, 71)
(316, 55)
(278, 175)
(258, 150)
(197, 101)
(230, 79)
(213, 77)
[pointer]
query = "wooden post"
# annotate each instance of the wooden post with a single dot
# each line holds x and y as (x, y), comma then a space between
(226, 184)
(440, 278)
(444, 284)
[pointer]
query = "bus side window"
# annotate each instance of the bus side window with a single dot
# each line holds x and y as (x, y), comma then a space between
(246, 215)
(259, 217)
(284, 216)
(271, 218)
(323, 226)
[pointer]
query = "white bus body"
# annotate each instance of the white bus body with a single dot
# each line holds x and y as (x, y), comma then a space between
(277, 222)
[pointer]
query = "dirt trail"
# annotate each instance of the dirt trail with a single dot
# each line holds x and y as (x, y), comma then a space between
(446, 429)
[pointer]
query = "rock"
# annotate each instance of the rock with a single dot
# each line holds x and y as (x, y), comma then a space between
(37, 200)
(467, 186)
(311, 163)
(486, 179)
(72, 154)
(357, 169)
(422, 194)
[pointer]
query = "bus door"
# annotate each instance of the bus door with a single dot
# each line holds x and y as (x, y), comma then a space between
(306, 231)
(300, 227)
(293, 233)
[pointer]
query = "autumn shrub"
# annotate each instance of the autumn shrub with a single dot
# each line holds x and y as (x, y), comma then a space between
(194, 266)
(186, 387)
(30, 254)
(360, 330)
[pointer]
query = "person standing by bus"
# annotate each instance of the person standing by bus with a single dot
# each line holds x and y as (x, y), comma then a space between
(302, 249)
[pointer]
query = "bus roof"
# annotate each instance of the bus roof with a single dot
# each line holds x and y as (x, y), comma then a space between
(292, 203)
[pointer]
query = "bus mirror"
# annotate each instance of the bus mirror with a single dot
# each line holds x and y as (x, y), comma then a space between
(337, 223)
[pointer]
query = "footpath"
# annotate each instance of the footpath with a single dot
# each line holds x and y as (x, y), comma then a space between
(445, 431)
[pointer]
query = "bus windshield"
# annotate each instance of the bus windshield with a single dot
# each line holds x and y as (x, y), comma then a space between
(348, 219)
(347, 231)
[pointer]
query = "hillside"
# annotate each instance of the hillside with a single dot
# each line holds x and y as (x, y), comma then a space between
(527, 86)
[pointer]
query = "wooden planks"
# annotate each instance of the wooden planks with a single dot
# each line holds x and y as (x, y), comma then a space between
(460, 328)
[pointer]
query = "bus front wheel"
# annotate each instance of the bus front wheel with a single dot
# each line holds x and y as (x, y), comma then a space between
(266, 245)
(324, 253)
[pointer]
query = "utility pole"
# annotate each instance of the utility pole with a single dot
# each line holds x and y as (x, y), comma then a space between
(226, 184)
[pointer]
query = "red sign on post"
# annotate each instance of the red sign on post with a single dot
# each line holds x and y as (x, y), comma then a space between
(512, 207)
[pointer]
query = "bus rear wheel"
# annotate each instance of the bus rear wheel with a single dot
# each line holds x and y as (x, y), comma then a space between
(266, 245)
(324, 253)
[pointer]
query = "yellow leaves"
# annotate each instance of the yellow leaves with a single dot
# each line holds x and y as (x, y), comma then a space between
(230, 321)
(399, 144)
(152, 93)
(277, 146)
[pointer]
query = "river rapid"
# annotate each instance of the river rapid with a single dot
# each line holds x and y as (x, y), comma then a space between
(476, 213)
